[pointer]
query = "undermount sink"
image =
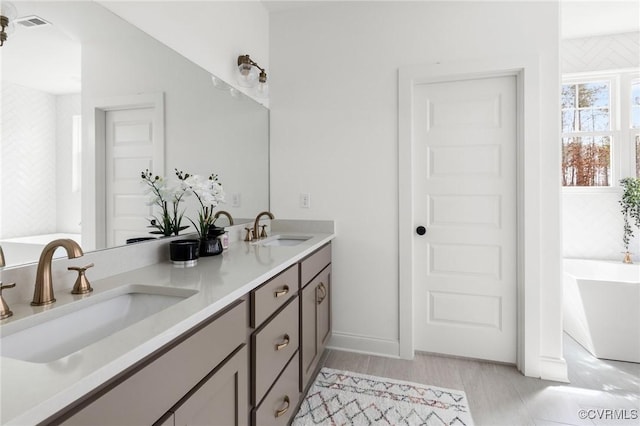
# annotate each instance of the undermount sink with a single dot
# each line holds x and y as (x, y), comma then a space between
(64, 330)
(284, 240)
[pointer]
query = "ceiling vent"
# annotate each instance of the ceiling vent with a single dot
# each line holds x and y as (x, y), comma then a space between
(31, 21)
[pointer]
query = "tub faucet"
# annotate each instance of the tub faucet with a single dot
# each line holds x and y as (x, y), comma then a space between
(43, 292)
(256, 225)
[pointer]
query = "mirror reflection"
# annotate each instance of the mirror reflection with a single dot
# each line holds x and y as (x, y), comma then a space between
(88, 102)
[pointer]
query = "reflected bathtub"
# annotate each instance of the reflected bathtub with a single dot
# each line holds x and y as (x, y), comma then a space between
(23, 250)
(601, 307)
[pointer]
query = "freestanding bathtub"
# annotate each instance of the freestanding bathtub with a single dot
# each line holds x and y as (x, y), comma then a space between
(601, 307)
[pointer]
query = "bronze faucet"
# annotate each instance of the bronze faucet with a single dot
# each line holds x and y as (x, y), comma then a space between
(43, 292)
(223, 213)
(256, 225)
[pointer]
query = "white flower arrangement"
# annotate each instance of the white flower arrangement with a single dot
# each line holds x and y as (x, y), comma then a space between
(209, 192)
(162, 194)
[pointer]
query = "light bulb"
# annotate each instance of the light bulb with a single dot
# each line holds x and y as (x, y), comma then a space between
(8, 10)
(262, 90)
(247, 75)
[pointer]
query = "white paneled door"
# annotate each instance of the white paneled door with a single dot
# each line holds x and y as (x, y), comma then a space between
(464, 198)
(131, 147)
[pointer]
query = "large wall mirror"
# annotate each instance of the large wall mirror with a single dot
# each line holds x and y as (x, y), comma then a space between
(88, 102)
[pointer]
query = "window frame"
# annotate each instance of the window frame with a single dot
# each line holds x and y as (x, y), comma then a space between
(622, 135)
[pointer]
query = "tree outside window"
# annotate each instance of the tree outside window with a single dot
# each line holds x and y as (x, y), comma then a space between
(586, 134)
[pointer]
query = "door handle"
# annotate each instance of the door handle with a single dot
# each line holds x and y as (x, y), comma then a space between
(421, 230)
(321, 293)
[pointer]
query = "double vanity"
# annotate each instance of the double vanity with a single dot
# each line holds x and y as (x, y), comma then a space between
(235, 339)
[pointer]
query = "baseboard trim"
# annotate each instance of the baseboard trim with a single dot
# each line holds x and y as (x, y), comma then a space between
(554, 369)
(364, 345)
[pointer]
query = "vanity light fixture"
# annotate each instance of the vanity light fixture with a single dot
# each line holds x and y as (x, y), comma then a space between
(8, 13)
(252, 75)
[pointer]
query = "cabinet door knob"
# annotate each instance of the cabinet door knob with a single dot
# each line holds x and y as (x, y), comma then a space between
(284, 409)
(282, 292)
(284, 343)
(421, 230)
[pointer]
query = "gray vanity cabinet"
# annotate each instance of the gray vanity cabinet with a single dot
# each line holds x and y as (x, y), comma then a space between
(249, 362)
(207, 363)
(315, 311)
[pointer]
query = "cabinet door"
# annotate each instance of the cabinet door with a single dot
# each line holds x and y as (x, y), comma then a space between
(323, 310)
(222, 399)
(308, 339)
(315, 320)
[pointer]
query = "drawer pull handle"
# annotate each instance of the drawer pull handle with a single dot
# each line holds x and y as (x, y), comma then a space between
(280, 293)
(284, 343)
(283, 410)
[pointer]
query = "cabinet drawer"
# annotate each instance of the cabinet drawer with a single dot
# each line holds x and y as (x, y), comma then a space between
(312, 265)
(266, 299)
(273, 346)
(147, 394)
(281, 401)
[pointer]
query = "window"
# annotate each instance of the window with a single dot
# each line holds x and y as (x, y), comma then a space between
(586, 134)
(596, 152)
(635, 121)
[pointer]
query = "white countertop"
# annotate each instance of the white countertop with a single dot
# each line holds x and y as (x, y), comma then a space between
(32, 392)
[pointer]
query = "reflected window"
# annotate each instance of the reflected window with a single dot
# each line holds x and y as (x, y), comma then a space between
(638, 156)
(635, 104)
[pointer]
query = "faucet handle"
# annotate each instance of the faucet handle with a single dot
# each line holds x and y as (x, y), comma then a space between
(5, 312)
(249, 236)
(263, 233)
(82, 285)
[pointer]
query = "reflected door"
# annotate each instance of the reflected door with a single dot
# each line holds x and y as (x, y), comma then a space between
(131, 147)
(465, 203)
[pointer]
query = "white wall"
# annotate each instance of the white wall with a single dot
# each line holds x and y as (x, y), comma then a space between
(334, 127)
(592, 225)
(212, 34)
(36, 146)
(28, 169)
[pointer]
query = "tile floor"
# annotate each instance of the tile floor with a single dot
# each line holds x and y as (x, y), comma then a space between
(500, 395)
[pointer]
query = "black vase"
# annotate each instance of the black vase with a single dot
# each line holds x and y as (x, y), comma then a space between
(184, 252)
(210, 246)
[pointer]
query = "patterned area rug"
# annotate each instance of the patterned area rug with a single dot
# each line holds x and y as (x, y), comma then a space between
(345, 398)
